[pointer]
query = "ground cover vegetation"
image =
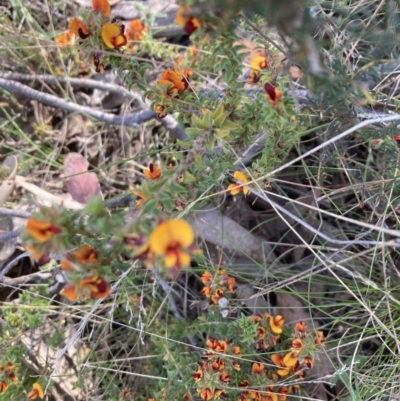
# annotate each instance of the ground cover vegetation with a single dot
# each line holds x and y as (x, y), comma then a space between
(199, 200)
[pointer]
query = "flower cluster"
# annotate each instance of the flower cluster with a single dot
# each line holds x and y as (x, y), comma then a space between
(216, 287)
(45, 237)
(216, 368)
(303, 346)
(223, 373)
(99, 31)
(268, 330)
(257, 64)
(84, 261)
(8, 376)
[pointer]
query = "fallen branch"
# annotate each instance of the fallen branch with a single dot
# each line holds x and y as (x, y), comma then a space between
(131, 120)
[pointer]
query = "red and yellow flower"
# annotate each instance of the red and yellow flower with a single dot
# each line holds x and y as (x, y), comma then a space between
(78, 28)
(160, 110)
(141, 200)
(273, 95)
(257, 64)
(3, 386)
(135, 29)
(276, 323)
(234, 189)
(153, 172)
(36, 392)
(278, 360)
(205, 393)
(41, 231)
(113, 35)
(183, 19)
(65, 39)
(257, 368)
(169, 240)
(175, 80)
(95, 286)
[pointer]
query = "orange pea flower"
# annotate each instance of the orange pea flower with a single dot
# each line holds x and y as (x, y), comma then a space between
(283, 393)
(169, 239)
(236, 366)
(198, 375)
(278, 360)
(273, 95)
(141, 200)
(236, 188)
(36, 392)
(218, 364)
(206, 277)
(261, 332)
(134, 30)
(190, 24)
(78, 28)
(270, 395)
(224, 377)
(290, 359)
(308, 361)
(153, 172)
(301, 327)
(205, 393)
(160, 110)
(3, 386)
(319, 337)
(396, 137)
(257, 368)
(276, 323)
(102, 6)
(70, 293)
(221, 346)
(41, 258)
(257, 63)
(206, 291)
(13, 377)
(175, 80)
(113, 35)
(98, 287)
(230, 284)
(41, 231)
(296, 345)
(86, 255)
(217, 295)
(64, 39)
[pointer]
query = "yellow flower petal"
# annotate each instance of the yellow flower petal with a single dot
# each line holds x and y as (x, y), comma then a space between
(169, 235)
(234, 189)
(238, 175)
(112, 36)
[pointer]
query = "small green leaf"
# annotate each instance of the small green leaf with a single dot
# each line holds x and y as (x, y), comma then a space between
(222, 133)
(199, 122)
(193, 132)
(184, 144)
(210, 144)
(229, 125)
